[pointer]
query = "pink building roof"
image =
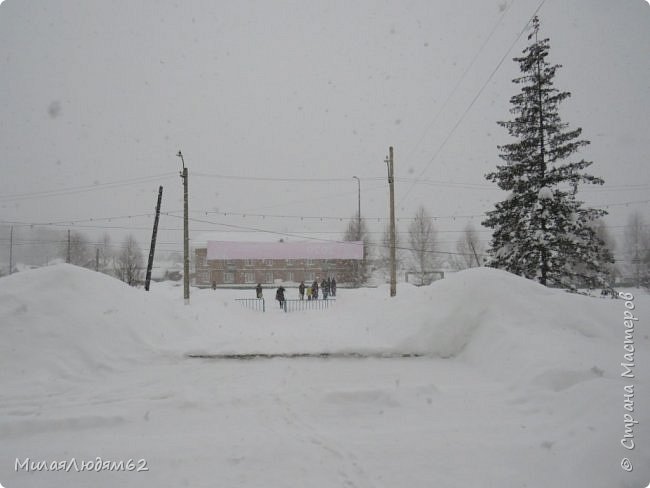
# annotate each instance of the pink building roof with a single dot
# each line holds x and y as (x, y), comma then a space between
(285, 250)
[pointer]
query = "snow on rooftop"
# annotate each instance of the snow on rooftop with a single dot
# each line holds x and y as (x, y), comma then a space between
(285, 250)
(201, 240)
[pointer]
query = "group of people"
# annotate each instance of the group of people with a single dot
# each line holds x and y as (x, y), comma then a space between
(327, 288)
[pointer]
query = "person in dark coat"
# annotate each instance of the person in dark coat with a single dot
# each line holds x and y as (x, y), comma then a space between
(258, 290)
(326, 288)
(314, 290)
(301, 290)
(333, 287)
(279, 295)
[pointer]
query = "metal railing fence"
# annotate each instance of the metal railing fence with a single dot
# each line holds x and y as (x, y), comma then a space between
(291, 305)
(294, 305)
(256, 304)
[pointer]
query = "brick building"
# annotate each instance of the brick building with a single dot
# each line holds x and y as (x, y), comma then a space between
(248, 263)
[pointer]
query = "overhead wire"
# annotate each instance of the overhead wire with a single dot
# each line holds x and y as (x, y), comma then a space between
(288, 234)
(471, 104)
(92, 220)
(84, 188)
(460, 80)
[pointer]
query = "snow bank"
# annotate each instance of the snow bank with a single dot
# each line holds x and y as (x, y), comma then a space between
(516, 328)
(505, 324)
(68, 321)
(65, 323)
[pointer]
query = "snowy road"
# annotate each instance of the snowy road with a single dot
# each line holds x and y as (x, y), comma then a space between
(304, 422)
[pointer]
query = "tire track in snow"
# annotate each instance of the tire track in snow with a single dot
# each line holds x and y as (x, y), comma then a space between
(350, 470)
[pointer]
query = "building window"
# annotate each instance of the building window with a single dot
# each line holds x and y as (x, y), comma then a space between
(201, 259)
(269, 277)
(248, 262)
(309, 276)
(268, 262)
(249, 277)
(309, 262)
(229, 277)
(290, 276)
(288, 262)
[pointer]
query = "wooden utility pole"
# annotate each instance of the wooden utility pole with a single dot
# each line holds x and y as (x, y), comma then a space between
(153, 241)
(186, 236)
(97, 259)
(11, 249)
(393, 262)
(68, 254)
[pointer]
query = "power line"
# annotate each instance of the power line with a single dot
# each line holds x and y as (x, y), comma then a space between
(63, 241)
(367, 219)
(339, 180)
(326, 197)
(414, 181)
(315, 217)
(278, 179)
(92, 220)
(462, 117)
(460, 80)
(84, 188)
(287, 234)
(621, 204)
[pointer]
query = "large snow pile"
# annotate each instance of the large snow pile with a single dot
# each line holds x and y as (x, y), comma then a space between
(514, 384)
(65, 320)
(504, 324)
(64, 323)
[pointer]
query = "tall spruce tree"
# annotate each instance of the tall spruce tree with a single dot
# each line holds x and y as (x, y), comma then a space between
(541, 230)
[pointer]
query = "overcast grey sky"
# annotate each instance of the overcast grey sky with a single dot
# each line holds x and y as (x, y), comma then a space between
(100, 92)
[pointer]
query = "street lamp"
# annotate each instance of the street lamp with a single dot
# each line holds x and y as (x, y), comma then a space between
(358, 236)
(359, 198)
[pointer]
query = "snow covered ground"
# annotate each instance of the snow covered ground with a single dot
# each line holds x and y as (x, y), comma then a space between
(515, 385)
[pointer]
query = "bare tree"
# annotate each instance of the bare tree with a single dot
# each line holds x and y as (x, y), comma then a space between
(78, 249)
(33, 245)
(358, 231)
(384, 248)
(612, 270)
(637, 249)
(423, 242)
(129, 263)
(105, 253)
(469, 249)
